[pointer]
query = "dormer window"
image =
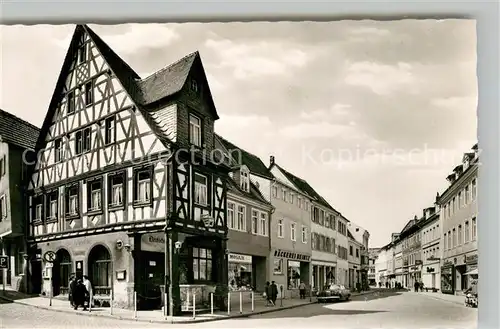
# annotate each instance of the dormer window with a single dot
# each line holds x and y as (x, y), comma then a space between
(244, 179)
(195, 130)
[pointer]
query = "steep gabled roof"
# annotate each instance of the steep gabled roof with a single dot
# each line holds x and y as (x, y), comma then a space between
(408, 225)
(304, 186)
(253, 162)
(349, 235)
(16, 131)
(142, 92)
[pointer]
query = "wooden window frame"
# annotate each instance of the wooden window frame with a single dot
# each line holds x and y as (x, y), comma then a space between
(58, 148)
(110, 138)
(89, 93)
(82, 52)
(207, 259)
(192, 114)
(207, 189)
(70, 102)
(67, 195)
(37, 200)
(111, 177)
(137, 171)
(50, 196)
(89, 183)
(86, 138)
(281, 225)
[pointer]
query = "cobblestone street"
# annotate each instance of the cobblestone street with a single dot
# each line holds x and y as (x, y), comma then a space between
(382, 309)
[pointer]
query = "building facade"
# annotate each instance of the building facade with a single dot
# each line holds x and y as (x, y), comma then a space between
(372, 271)
(354, 261)
(431, 248)
(342, 251)
(116, 195)
(411, 253)
(248, 219)
(291, 226)
(383, 262)
(458, 219)
(362, 237)
(16, 137)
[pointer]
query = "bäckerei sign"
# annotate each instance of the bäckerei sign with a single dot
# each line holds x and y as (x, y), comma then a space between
(291, 255)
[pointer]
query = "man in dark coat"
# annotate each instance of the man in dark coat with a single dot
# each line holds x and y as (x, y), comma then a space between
(71, 289)
(268, 294)
(274, 292)
(79, 295)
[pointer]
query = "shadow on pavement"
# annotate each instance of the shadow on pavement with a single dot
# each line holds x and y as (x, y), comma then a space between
(378, 295)
(11, 296)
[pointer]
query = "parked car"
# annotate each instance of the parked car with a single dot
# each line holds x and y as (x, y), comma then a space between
(334, 292)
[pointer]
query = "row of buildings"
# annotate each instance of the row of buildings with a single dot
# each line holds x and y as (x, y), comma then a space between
(127, 182)
(439, 247)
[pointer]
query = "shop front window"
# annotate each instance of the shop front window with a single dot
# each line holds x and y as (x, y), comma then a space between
(240, 276)
(447, 279)
(293, 274)
(202, 264)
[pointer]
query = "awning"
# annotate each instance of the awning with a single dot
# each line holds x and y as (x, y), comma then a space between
(473, 272)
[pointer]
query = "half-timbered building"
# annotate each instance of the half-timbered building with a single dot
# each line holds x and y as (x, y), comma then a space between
(127, 188)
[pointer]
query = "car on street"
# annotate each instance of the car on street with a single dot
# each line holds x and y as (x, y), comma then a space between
(334, 292)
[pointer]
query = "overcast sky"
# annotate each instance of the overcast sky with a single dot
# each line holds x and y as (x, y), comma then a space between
(373, 114)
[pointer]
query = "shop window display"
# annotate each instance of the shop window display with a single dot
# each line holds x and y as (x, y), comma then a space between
(293, 274)
(240, 276)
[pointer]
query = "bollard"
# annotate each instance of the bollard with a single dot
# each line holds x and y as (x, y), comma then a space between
(194, 306)
(111, 306)
(241, 302)
(228, 303)
(165, 301)
(135, 304)
(253, 305)
(212, 303)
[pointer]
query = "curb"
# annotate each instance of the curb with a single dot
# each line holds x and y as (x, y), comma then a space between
(116, 317)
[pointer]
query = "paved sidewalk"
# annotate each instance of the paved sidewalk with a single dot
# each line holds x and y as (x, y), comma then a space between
(456, 299)
(156, 316)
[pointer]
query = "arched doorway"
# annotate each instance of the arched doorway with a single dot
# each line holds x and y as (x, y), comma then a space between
(61, 272)
(100, 270)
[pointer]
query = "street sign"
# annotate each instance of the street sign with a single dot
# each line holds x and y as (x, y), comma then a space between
(49, 265)
(49, 256)
(4, 262)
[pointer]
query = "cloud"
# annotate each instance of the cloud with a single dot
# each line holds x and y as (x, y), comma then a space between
(254, 59)
(382, 79)
(321, 130)
(369, 31)
(137, 38)
(456, 103)
(337, 109)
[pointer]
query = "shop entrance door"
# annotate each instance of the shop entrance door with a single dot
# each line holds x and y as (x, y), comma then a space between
(152, 279)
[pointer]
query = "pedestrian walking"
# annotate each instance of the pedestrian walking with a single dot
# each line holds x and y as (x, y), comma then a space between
(302, 290)
(88, 290)
(274, 292)
(79, 295)
(416, 286)
(421, 286)
(71, 289)
(268, 293)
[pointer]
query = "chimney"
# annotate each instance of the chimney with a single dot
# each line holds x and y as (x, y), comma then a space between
(437, 197)
(271, 160)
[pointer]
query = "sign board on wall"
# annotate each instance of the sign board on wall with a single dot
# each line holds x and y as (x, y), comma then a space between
(153, 242)
(4, 262)
(237, 258)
